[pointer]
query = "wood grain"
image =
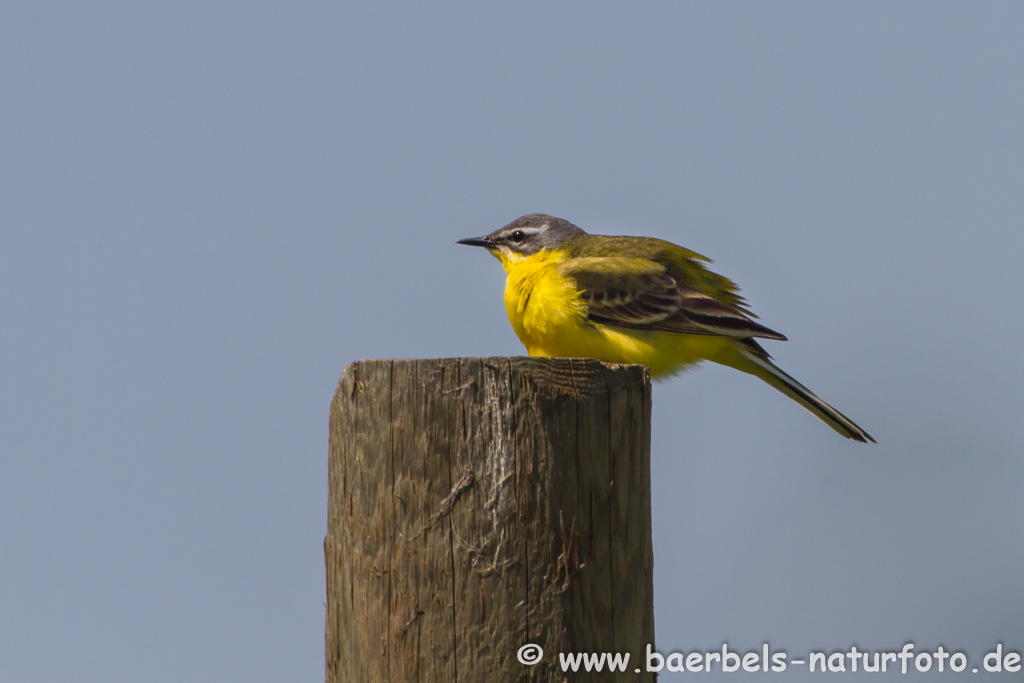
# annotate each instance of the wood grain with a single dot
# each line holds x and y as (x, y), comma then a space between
(479, 504)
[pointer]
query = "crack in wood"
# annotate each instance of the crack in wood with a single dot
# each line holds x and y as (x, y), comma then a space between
(445, 507)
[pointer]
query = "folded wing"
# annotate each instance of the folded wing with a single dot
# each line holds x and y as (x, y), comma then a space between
(637, 293)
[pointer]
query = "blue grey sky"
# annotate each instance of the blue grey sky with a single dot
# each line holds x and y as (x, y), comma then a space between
(209, 209)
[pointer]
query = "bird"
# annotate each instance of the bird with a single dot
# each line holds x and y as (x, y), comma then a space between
(634, 300)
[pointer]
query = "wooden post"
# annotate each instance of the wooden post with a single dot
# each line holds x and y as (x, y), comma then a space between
(480, 504)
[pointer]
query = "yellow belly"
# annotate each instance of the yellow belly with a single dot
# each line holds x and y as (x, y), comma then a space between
(549, 318)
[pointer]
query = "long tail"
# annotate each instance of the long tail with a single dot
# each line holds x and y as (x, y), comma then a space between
(754, 360)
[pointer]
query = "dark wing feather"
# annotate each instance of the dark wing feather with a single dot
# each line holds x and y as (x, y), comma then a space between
(639, 294)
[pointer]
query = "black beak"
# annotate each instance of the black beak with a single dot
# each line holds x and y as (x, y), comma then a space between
(476, 242)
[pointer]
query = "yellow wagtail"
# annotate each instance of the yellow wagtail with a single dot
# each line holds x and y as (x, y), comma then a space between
(633, 300)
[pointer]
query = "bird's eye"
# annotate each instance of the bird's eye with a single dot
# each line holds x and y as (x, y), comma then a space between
(517, 236)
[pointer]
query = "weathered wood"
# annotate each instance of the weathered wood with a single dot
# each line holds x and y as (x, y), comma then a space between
(480, 504)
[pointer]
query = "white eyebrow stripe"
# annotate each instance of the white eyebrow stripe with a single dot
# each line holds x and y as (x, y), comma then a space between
(528, 231)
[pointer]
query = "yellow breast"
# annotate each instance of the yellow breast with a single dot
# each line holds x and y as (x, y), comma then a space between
(541, 304)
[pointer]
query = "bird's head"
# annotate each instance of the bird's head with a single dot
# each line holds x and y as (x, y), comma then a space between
(524, 237)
